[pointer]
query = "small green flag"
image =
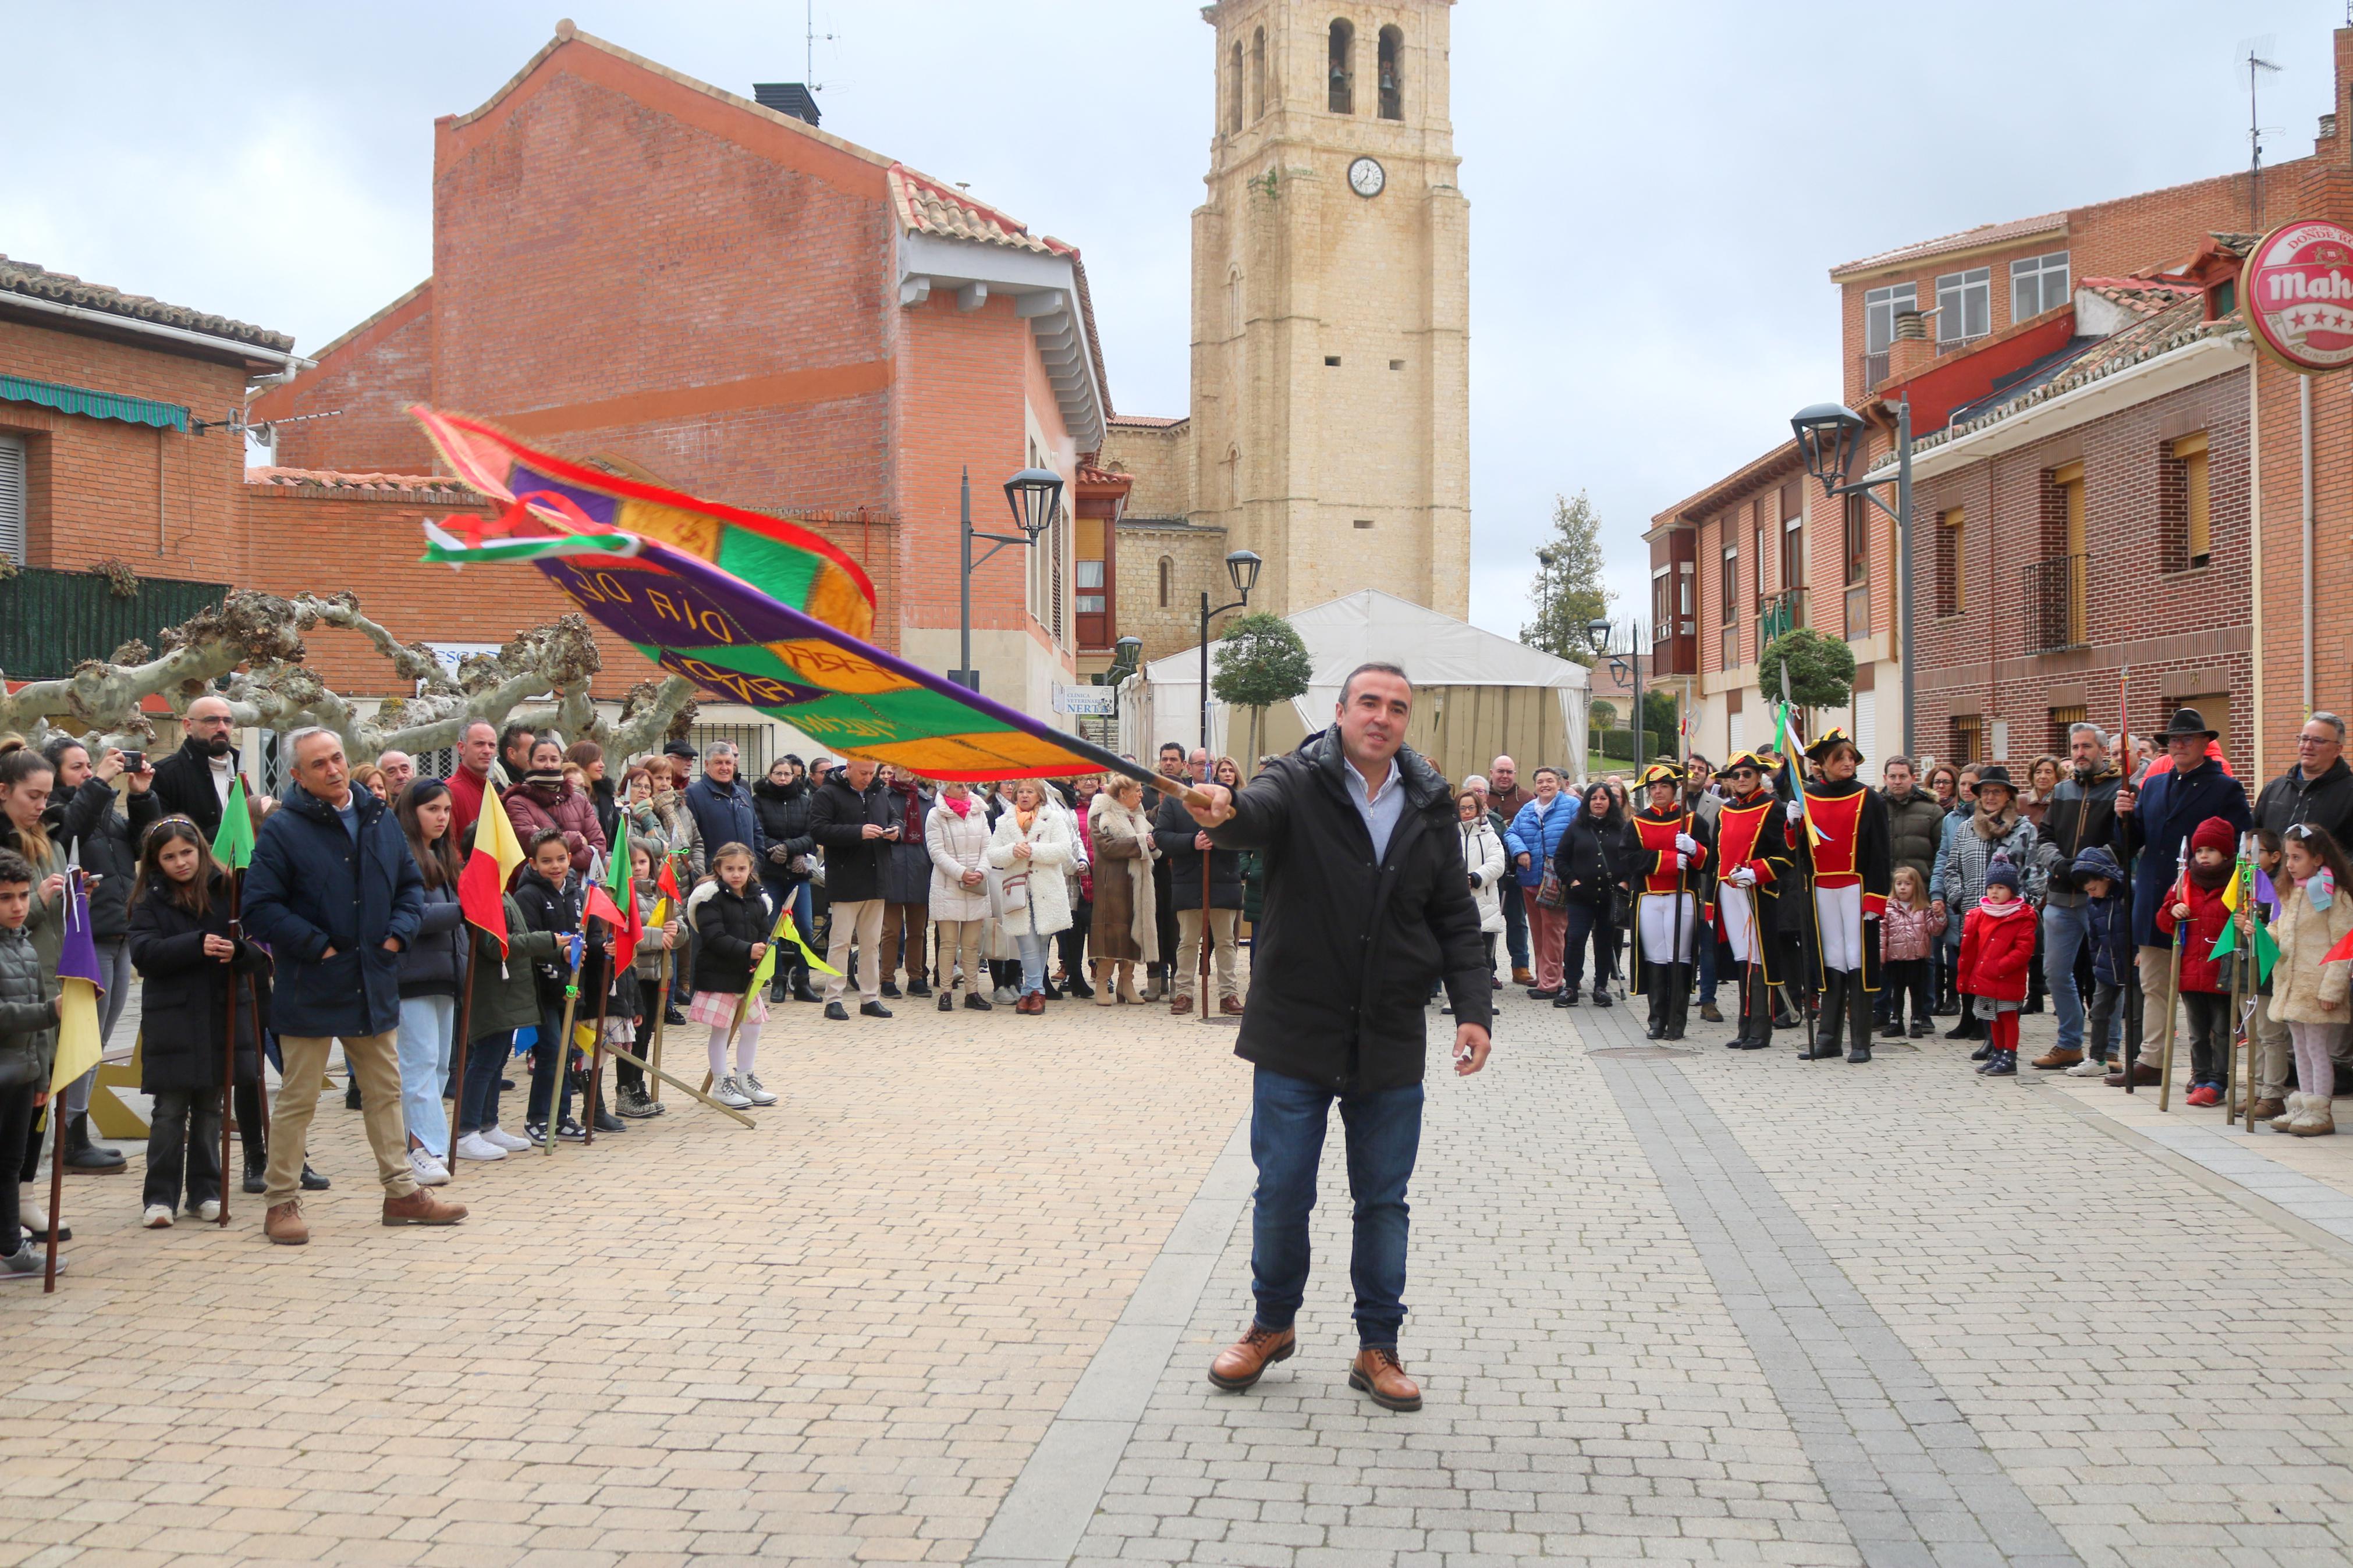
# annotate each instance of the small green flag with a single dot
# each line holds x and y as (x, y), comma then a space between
(233, 845)
(617, 870)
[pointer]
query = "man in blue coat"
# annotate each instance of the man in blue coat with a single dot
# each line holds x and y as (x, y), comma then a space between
(336, 895)
(2153, 822)
(723, 807)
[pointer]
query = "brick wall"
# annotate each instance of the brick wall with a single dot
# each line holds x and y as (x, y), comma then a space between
(364, 382)
(2181, 632)
(159, 500)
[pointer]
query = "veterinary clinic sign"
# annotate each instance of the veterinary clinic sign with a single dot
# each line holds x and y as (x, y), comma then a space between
(2296, 291)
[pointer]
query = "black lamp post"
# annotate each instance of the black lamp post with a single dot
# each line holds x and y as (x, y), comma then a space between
(1827, 435)
(1243, 567)
(1036, 497)
(1627, 667)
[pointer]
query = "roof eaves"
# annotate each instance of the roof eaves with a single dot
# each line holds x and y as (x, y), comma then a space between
(438, 487)
(1983, 235)
(37, 282)
(1754, 473)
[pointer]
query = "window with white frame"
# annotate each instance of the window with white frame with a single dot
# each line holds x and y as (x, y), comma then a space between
(1880, 307)
(1965, 304)
(2037, 284)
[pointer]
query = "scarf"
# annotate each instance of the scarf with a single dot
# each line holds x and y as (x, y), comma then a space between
(1027, 820)
(548, 788)
(911, 810)
(959, 804)
(1995, 826)
(2212, 879)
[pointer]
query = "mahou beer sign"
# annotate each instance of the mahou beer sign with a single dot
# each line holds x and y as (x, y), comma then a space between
(2297, 290)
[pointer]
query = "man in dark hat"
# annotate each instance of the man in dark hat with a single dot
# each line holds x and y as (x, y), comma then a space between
(1839, 831)
(2153, 826)
(1752, 864)
(1670, 899)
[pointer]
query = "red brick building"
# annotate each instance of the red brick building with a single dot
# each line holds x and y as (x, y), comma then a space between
(631, 263)
(2106, 477)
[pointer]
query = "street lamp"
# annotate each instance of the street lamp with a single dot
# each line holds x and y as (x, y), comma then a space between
(1036, 497)
(1127, 656)
(1626, 666)
(1827, 435)
(1243, 567)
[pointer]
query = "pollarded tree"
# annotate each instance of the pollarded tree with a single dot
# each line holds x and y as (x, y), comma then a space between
(1261, 660)
(255, 640)
(1821, 669)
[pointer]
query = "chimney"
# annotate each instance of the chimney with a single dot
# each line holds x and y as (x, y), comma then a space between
(1911, 352)
(791, 97)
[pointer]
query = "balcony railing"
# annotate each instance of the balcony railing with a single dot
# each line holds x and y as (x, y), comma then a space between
(1778, 613)
(1955, 345)
(1874, 369)
(2057, 603)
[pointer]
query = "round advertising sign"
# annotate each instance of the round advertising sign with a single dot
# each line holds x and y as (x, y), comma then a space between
(2297, 290)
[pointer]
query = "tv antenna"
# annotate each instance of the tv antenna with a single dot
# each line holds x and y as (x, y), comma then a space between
(2252, 61)
(808, 44)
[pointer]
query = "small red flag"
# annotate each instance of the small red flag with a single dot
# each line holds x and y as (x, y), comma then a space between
(668, 884)
(2341, 951)
(627, 928)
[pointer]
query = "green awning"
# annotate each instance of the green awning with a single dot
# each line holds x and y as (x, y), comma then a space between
(95, 405)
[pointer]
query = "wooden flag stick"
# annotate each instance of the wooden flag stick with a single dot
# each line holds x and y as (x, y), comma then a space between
(595, 1082)
(229, 1049)
(660, 1006)
(56, 1188)
(563, 1045)
(640, 1063)
(461, 1050)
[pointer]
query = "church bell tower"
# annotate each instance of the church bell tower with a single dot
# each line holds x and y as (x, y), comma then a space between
(1330, 265)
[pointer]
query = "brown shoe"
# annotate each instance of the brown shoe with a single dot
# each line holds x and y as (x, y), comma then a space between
(2055, 1057)
(2264, 1110)
(283, 1225)
(1232, 1007)
(2144, 1076)
(1245, 1361)
(421, 1207)
(1181, 1006)
(1522, 977)
(1380, 1375)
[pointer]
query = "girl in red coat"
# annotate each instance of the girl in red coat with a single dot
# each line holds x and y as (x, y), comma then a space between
(1997, 946)
(2205, 995)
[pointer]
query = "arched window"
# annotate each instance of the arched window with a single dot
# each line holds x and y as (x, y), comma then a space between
(1167, 581)
(1258, 73)
(1392, 74)
(1234, 302)
(1344, 67)
(1234, 90)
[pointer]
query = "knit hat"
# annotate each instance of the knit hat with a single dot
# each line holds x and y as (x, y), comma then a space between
(2098, 861)
(2214, 834)
(2003, 874)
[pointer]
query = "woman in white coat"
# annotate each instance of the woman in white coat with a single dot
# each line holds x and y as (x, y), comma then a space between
(957, 832)
(1029, 850)
(1483, 857)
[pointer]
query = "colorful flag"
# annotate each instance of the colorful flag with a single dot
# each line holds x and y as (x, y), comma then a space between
(786, 931)
(751, 609)
(1791, 745)
(629, 926)
(79, 1048)
(233, 842)
(667, 881)
(482, 885)
(600, 906)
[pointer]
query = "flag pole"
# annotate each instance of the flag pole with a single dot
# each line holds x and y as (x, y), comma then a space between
(2173, 998)
(228, 1049)
(681, 1084)
(56, 1188)
(462, 1049)
(563, 1045)
(596, 1081)
(662, 1020)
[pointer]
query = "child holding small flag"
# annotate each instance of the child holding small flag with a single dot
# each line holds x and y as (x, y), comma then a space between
(731, 917)
(659, 919)
(2308, 987)
(2205, 995)
(29, 1012)
(552, 894)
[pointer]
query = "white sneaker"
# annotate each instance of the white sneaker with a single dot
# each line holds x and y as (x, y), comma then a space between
(208, 1211)
(475, 1146)
(1006, 996)
(430, 1171)
(29, 1261)
(157, 1218)
(750, 1084)
(729, 1093)
(500, 1138)
(2087, 1067)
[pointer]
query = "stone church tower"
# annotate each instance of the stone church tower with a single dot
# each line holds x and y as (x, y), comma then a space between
(1329, 427)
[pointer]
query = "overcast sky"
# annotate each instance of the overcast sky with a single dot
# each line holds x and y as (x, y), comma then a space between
(1656, 191)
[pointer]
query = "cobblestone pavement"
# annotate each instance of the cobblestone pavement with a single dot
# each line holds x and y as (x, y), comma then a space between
(952, 1301)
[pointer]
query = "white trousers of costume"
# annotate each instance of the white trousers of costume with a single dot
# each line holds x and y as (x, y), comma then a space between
(1840, 910)
(1739, 906)
(1657, 921)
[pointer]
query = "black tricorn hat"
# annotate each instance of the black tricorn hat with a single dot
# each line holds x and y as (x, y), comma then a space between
(2187, 722)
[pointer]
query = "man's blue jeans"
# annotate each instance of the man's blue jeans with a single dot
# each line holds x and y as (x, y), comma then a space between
(1516, 921)
(2065, 932)
(1288, 1117)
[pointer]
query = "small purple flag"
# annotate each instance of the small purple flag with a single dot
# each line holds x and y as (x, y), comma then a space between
(79, 1047)
(78, 959)
(2266, 894)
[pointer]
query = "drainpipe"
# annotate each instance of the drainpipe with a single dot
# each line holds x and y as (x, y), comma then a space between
(2304, 410)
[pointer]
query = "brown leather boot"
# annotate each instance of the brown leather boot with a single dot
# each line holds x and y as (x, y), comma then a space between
(2057, 1057)
(2144, 1076)
(283, 1225)
(1232, 1007)
(422, 1208)
(1245, 1361)
(1522, 977)
(1181, 1005)
(1380, 1375)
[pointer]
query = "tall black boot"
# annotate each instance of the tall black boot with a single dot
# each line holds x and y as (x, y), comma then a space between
(1678, 1000)
(1858, 1018)
(1746, 1009)
(1831, 1021)
(1757, 1020)
(82, 1155)
(1655, 977)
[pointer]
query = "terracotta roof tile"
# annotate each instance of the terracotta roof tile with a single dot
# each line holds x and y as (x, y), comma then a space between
(1147, 421)
(435, 485)
(930, 206)
(1967, 239)
(63, 287)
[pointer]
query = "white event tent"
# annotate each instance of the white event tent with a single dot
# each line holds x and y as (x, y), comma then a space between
(1475, 694)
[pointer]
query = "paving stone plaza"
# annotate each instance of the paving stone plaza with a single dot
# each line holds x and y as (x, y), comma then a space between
(951, 1301)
